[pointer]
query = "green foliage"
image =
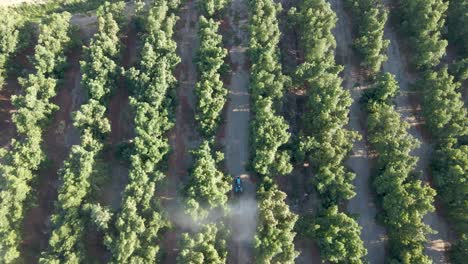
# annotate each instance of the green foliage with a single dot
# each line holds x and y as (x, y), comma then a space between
(443, 106)
(459, 69)
(207, 245)
(457, 21)
(101, 216)
(405, 200)
(211, 7)
(8, 39)
(208, 187)
(423, 22)
(99, 70)
(210, 91)
(371, 18)
(459, 251)
(268, 130)
(324, 140)
(383, 90)
(270, 133)
(19, 165)
(134, 236)
(450, 170)
(334, 231)
(66, 242)
(206, 193)
(275, 231)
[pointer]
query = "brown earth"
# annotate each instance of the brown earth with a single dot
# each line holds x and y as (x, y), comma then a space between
(58, 138)
(184, 136)
(109, 192)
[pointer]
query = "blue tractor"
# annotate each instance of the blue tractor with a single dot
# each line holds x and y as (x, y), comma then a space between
(238, 189)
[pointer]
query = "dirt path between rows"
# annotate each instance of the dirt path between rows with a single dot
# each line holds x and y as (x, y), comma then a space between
(408, 105)
(243, 219)
(59, 136)
(184, 136)
(120, 115)
(360, 161)
(58, 139)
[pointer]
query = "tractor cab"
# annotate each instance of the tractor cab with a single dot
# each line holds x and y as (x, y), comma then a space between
(238, 185)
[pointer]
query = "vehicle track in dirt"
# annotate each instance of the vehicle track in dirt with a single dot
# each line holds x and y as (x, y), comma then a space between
(243, 219)
(360, 161)
(184, 136)
(409, 107)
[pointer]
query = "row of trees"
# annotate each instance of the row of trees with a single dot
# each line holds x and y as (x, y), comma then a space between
(206, 192)
(423, 22)
(206, 203)
(404, 198)
(274, 240)
(371, 17)
(20, 163)
(100, 70)
(324, 140)
(442, 105)
(210, 91)
(447, 120)
(133, 234)
(9, 35)
(269, 130)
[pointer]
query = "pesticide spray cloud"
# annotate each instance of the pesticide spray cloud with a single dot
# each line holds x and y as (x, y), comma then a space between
(241, 218)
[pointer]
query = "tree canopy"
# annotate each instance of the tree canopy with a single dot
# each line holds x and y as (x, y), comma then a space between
(371, 17)
(34, 108)
(99, 69)
(423, 22)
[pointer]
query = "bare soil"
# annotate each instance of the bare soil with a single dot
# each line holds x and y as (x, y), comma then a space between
(409, 107)
(243, 219)
(184, 136)
(120, 116)
(58, 138)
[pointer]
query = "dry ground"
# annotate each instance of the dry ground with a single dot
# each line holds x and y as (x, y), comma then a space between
(184, 136)
(409, 107)
(243, 219)
(59, 136)
(360, 161)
